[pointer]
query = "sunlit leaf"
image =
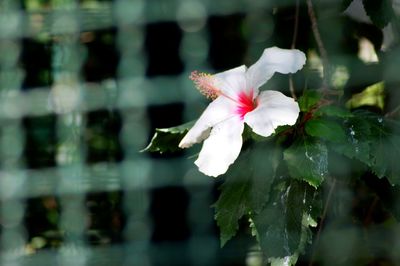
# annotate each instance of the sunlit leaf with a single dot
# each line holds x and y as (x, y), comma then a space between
(372, 96)
(339, 77)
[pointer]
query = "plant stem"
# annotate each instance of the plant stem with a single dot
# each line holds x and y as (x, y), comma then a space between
(296, 25)
(295, 31)
(320, 44)
(321, 224)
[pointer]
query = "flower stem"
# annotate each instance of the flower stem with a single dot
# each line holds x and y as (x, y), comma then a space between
(296, 25)
(295, 31)
(320, 44)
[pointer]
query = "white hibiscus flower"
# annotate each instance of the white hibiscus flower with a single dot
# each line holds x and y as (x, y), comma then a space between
(237, 100)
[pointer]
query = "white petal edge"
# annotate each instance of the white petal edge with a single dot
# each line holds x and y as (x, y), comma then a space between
(218, 110)
(221, 148)
(273, 60)
(232, 82)
(274, 109)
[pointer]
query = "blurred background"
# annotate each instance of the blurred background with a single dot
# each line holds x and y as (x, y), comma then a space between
(83, 85)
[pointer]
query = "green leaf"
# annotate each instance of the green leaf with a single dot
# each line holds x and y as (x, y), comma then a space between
(230, 208)
(282, 226)
(281, 129)
(325, 129)
(386, 163)
(307, 159)
(334, 111)
(358, 139)
(373, 95)
(380, 11)
(248, 133)
(305, 238)
(374, 141)
(167, 139)
(309, 100)
(385, 149)
(246, 188)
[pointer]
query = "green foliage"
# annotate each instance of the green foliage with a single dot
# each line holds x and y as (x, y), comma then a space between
(246, 189)
(280, 226)
(334, 111)
(385, 147)
(307, 160)
(386, 152)
(276, 182)
(356, 144)
(309, 100)
(278, 208)
(375, 141)
(167, 139)
(280, 183)
(325, 129)
(305, 238)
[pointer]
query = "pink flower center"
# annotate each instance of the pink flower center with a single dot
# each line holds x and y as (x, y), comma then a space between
(206, 84)
(245, 103)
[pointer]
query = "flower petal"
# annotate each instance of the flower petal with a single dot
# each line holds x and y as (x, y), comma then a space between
(274, 60)
(221, 148)
(274, 109)
(232, 81)
(218, 110)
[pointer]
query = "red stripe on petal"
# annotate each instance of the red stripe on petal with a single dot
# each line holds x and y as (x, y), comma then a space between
(246, 103)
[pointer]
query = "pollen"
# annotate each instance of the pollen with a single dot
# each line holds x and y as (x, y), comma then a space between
(205, 83)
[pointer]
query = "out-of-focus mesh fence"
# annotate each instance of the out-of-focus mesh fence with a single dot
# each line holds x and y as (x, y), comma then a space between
(82, 86)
